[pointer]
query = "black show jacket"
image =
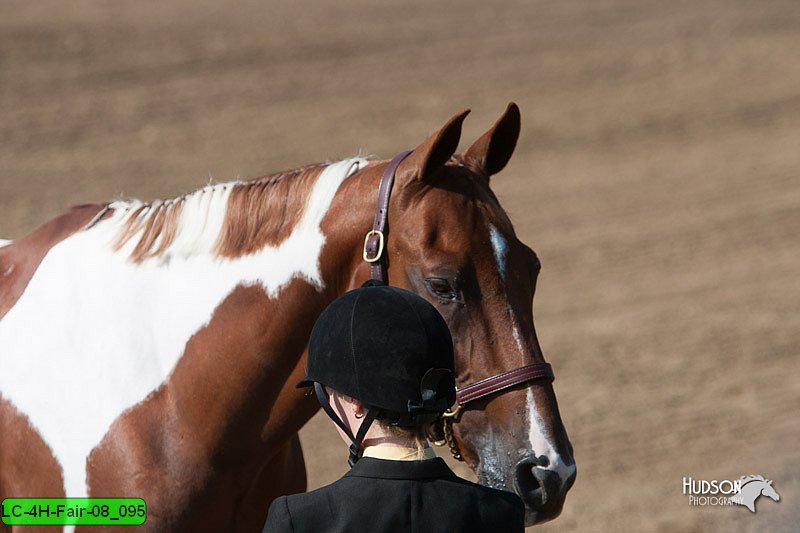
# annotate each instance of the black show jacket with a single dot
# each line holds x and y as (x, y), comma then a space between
(379, 495)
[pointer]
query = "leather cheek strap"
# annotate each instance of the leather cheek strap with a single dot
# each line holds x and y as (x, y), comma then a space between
(375, 242)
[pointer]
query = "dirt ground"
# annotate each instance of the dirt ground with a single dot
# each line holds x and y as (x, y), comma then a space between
(656, 176)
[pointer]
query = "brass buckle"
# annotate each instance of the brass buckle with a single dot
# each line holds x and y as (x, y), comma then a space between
(454, 414)
(380, 246)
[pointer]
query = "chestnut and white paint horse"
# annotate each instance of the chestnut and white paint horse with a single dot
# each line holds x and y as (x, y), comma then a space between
(151, 349)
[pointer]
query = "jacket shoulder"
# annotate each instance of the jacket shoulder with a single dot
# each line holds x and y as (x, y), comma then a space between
(279, 520)
(493, 506)
(310, 511)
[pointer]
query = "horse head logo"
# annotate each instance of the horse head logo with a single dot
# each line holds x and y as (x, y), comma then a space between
(751, 488)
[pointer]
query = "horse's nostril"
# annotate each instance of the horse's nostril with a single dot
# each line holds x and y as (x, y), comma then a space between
(526, 480)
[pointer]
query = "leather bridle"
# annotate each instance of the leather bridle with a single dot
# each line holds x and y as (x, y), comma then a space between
(375, 254)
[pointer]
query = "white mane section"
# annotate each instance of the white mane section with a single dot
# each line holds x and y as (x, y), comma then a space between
(94, 333)
(201, 218)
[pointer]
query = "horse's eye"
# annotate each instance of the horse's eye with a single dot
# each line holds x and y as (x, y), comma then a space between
(441, 288)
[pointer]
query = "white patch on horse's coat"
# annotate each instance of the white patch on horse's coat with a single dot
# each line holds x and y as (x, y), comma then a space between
(541, 442)
(94, 334)
(500, 249)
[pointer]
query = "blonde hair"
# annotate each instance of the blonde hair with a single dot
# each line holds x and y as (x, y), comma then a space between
(418, 435)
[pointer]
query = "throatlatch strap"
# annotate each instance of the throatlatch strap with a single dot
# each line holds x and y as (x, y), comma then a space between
(322, 397)
(355, 448)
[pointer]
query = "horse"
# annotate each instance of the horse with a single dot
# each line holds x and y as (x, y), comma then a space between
(751, 488)
(150, 349)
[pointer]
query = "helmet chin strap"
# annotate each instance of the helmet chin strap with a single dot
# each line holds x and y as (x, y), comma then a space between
(369, 417)
(355, 448)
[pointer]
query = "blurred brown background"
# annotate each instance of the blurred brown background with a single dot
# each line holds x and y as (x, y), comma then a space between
(656, 176)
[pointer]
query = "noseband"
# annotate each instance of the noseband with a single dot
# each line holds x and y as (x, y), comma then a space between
(375, 254)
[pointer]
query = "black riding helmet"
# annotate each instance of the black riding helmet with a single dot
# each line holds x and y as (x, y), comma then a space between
(389, 349)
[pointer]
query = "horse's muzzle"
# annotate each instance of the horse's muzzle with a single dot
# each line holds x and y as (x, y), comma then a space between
(541, 489)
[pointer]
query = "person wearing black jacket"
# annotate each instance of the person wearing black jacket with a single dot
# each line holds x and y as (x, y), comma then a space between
(380, 361)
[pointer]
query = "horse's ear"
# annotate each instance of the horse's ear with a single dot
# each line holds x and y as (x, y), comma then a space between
(434, 152)
(491, 152)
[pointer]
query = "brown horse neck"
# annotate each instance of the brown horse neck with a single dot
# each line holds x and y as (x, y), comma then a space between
(262, 352)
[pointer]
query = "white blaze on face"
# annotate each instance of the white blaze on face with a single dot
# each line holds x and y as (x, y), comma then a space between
(542, 442)
(500, 249)
(540, 439)
(94, 334)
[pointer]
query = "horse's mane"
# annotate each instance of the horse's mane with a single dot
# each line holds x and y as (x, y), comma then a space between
(754, 477)
(224, 219)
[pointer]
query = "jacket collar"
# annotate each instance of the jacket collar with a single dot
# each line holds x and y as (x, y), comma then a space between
(382, 468)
